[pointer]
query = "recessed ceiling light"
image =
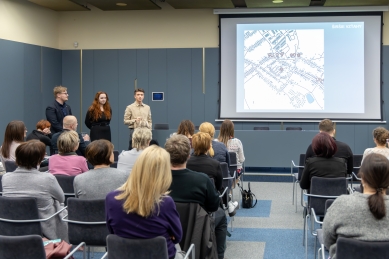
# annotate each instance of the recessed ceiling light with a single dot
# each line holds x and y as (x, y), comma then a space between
(278, 1)
(121, 4)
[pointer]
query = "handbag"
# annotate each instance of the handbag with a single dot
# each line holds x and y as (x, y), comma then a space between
(56, 250)
(247, 198)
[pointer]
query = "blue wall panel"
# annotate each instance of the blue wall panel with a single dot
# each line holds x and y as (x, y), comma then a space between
(87, 85)
(142, 73)
(197, 95)
(51, 73)
(212, 85)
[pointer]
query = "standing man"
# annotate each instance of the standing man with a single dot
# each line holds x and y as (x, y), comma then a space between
(56, 111)
(343, 151)
(137, 112)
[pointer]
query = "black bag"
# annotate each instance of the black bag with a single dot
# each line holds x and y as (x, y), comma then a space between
(248, 198)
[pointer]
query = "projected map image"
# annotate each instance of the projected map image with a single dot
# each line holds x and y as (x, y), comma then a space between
(284, 69)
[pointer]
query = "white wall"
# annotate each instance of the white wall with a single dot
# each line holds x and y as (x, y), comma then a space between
(166, 28)
(28, 23)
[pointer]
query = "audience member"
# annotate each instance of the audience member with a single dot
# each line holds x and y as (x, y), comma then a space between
(362, 216)
(98, 117)
(98, 182)
(42, 133)
(218, 150)
(186, 128)
(67, 162)
(323, 164)
(194, 187)
(70, 123)
(380, 136)
(57, 110)
(140, 140)
(141, 207)
(343, 150)
(27, 181)
(226, 136)
(14, 135)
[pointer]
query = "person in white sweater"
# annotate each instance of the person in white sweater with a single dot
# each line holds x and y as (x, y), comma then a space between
(363, 216)
(380, 136)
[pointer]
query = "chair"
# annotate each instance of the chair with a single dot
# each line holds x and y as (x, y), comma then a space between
(296, 177)
(30, 246)
(261, 128)
(233, 163)
(227, 182)
(86, 223)
(321, 190)
(357, 159)
(66, 183)
(319, 231)
(19, 216)
(1, 185)
(10, 166)
(122, 248)
(161, 126)
(293, 128)
(116, 155)
(348, 248)
(114, 165)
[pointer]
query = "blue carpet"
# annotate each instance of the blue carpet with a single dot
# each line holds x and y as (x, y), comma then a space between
(97, 255)
(262, 210)
(267, 178)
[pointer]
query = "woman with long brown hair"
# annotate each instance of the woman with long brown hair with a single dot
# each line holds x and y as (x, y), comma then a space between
(98, 117)
(14, 135)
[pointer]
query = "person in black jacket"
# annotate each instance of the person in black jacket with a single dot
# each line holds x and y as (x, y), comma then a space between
(57, 110)
(193, 187)
(343, 150)
(98, 117)
(42, 133)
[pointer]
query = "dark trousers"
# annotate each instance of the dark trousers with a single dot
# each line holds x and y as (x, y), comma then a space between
(220, 232)
(130, 142)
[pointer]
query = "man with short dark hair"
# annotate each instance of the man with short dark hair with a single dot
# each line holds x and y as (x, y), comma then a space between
(57, 110)
(136, 112)
(344, 151)
(193, 187)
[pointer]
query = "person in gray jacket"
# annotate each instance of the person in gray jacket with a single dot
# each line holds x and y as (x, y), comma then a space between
(363, 216)
(98, 182)
(27, 181)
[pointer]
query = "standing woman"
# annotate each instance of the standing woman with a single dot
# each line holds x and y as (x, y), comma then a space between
(98, 117)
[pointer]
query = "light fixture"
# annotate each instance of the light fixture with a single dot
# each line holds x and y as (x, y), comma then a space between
(277, 1)
(121, 4)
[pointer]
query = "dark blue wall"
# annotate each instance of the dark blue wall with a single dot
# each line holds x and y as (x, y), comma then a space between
(31, 72)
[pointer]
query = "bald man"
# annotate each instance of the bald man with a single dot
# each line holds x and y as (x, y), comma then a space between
(70, 123)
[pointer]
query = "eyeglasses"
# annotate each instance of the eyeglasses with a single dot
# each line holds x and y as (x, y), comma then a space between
(65, 93)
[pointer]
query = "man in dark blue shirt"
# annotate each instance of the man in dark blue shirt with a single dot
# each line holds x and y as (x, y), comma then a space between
(57, 110)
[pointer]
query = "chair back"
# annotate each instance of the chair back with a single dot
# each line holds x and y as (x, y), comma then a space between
(325, 187)
(301, 163)
(226, 182)
(66, 183)
(84, 212)
(161, 126)
(114, 165)
(115, 155)
(293, 128)
(1, 184)
(10, 166)
(357, 159)
(30, 246)
(126, 248)
(261, 128)
(328, 204)
(348, 248)
(19, 208)
(233, 163)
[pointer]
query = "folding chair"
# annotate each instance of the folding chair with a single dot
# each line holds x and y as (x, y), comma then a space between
(357, 159)
(348, 248)
(66, 183)
(296, 177)
(319, 236)
(30, 246)
(227, 181)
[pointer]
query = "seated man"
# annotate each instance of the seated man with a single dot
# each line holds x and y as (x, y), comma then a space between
(194, 187)
(70, 123)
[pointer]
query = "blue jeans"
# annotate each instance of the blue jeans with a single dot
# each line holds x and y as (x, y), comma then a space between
(220, 232)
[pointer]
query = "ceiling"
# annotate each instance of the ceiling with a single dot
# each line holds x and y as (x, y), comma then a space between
(111, 5)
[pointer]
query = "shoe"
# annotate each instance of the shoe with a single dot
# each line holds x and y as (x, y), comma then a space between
(232, 208)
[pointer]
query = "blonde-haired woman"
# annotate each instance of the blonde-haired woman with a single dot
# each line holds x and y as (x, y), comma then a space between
(226, 136)
(218, 150)
(67, 162)
(380, 135)
(141, 207)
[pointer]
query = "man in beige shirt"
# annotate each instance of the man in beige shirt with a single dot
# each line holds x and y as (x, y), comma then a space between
(136, 112)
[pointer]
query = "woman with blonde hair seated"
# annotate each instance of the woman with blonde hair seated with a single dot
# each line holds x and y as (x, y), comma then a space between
(380, 136)
(363, 216)
(218, 150)
(141, 207)
(67, 162)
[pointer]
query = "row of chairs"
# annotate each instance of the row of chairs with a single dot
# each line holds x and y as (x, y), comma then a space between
(165, 126)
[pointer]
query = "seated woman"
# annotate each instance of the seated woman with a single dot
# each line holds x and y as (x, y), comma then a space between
(226, 136)
(67, 162)
(380, 135)
(218, 150)
(186, 128)
(42, 132)
(324, 164)
(141, 207)
(363, 216)
(27, 181)
(14, 135)
(140, 140)
(98, 182)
